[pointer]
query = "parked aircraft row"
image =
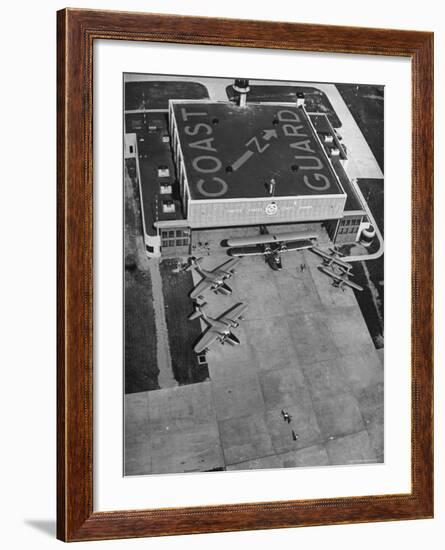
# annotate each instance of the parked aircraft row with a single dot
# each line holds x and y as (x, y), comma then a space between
(218, 328)
(332, 261)
(270, 246)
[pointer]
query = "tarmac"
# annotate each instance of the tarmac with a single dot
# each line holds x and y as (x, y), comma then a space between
(305, 349)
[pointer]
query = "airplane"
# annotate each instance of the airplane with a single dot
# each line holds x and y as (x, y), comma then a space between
(219, 329)
(332, 259)
(213, 279)
(339, 280)
(271, 246)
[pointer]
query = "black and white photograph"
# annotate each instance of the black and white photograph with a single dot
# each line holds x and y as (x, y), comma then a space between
(253, 274)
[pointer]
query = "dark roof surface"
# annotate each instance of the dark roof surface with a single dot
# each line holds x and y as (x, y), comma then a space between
(152, 94)
(323, 127)
(153, 153)
(246, 147)
(315, 99)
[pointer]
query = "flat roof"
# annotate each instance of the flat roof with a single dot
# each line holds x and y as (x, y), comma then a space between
(154, 153)
(323, 127)
(233, 152)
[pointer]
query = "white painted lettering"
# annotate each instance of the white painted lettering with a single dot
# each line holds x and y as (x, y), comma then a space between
(221, 188)
(257, 144)
(215, 164)
(193, 130)
(294, 131)
(319, 178)
(318, 164)
(187, 114)
(204, 144)
(302, 145)
(288, 116)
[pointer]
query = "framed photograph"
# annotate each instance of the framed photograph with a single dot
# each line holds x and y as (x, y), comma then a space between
(245, 231)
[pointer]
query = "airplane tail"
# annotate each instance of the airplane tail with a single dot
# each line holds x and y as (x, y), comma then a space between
(197, 313)
(192, 263)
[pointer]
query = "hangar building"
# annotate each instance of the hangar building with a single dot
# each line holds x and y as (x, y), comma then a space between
(207, 164)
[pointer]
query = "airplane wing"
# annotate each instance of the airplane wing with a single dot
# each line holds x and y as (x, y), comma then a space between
(259, 250)
(271, 238)
(200, 288)
(246, 251)
(352, 284)
(341, 263)
(297, 245)
(339, 278)
(225, 267)
(329, 273)
(234, 313)
(331, 258)
(206, 340)
(320, 253)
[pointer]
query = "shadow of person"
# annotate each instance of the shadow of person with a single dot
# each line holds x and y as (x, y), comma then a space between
(47, 526)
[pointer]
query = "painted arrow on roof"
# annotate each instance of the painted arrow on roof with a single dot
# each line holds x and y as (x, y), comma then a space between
(266, 135)
(269, 134)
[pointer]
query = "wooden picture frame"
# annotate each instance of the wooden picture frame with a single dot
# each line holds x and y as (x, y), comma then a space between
(77, 31)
